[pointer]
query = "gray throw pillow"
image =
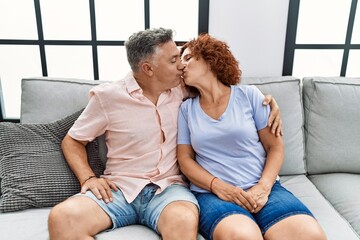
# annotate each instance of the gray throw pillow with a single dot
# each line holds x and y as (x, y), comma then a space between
(33, 170)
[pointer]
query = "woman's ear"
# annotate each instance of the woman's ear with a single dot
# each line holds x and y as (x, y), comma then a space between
(147, 69)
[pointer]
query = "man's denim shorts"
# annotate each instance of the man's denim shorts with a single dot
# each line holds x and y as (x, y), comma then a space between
(281, 204)
(146, 208)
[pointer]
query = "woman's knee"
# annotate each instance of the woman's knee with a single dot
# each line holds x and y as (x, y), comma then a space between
(237, 227)
(314, 232)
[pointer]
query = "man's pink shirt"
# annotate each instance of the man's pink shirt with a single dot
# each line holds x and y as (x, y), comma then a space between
(140, 136)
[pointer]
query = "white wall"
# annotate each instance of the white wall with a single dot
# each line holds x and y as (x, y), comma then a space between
(255, 31)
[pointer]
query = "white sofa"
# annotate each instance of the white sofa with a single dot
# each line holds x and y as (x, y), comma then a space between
(322, 153)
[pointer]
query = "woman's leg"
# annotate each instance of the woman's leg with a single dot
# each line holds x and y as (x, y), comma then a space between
(237, 227)
(225, 220)
(296, 227)
(285, 217)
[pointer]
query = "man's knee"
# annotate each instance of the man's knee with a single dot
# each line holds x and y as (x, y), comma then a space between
(77, 218)
(182, 214)
(60, 215)
(179, 220)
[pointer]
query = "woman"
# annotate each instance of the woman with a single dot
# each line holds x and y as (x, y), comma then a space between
(229, 154)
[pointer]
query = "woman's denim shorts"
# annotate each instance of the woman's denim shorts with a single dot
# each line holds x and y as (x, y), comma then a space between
(281, 204)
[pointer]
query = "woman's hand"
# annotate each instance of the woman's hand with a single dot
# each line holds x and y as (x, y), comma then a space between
(230, 193)
(260, 193)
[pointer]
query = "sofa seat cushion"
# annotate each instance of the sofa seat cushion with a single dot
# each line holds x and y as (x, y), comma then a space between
(25, 225)
(287, 92)
(332, 124)
(334, 225)
(343, 192)
(32, 224)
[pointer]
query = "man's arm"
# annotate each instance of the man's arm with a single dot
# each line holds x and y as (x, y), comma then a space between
(76, 156)
(275, 121)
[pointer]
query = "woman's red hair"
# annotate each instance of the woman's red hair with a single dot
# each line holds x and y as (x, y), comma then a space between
(218, 55)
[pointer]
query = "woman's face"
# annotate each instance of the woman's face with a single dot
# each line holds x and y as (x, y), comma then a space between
(195, 69)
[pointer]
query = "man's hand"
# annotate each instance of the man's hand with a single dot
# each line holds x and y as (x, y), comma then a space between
(100, 187)
(275, 122)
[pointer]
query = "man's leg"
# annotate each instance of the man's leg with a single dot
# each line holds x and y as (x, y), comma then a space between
(77, 218)
(174, 213)
(179, 220)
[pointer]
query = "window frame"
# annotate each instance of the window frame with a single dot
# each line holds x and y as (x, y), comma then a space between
(291, 45)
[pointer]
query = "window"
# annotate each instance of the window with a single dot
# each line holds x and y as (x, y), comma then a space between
(81, 39)
(323, 38)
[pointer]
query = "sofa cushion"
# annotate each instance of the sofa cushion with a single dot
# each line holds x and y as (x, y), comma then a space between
(330, 220)
(45, 99)
(287, 92)
(33, 169)
(343, 192)
(332, 125)
(33, 224)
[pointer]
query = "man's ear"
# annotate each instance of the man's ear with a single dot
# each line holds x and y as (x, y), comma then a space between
(147, 69)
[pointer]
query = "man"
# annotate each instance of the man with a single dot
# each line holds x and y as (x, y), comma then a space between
(142, 183)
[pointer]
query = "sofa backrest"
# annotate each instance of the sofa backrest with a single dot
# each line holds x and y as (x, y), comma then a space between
(46, 99)
(332, 124)
(287, 92)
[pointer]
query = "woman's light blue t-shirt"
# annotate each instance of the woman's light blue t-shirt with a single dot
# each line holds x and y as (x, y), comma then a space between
(229, 147)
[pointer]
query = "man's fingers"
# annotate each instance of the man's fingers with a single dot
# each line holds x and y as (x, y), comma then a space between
(274, 117)
(105, 195)
(101, 188)
(84, 189)
(275, 124)
(267, 99)
(279, 130)
(96, 192)
(113, 186)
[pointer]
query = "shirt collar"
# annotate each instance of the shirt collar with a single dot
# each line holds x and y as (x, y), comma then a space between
(133, 87)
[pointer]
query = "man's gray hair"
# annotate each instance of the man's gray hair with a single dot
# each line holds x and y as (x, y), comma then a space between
(142, 45)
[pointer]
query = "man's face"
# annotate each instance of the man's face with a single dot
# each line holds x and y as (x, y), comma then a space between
(167, 66)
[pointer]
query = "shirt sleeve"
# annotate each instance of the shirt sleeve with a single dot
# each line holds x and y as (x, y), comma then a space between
(92, 122)
(183, 126)
(260, 112)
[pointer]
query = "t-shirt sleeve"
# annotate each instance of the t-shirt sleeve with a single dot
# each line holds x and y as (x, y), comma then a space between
(260, 112)
(183, 127)
(92, 122)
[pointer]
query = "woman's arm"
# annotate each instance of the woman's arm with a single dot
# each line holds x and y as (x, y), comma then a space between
(274, 149)
(203, 179)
